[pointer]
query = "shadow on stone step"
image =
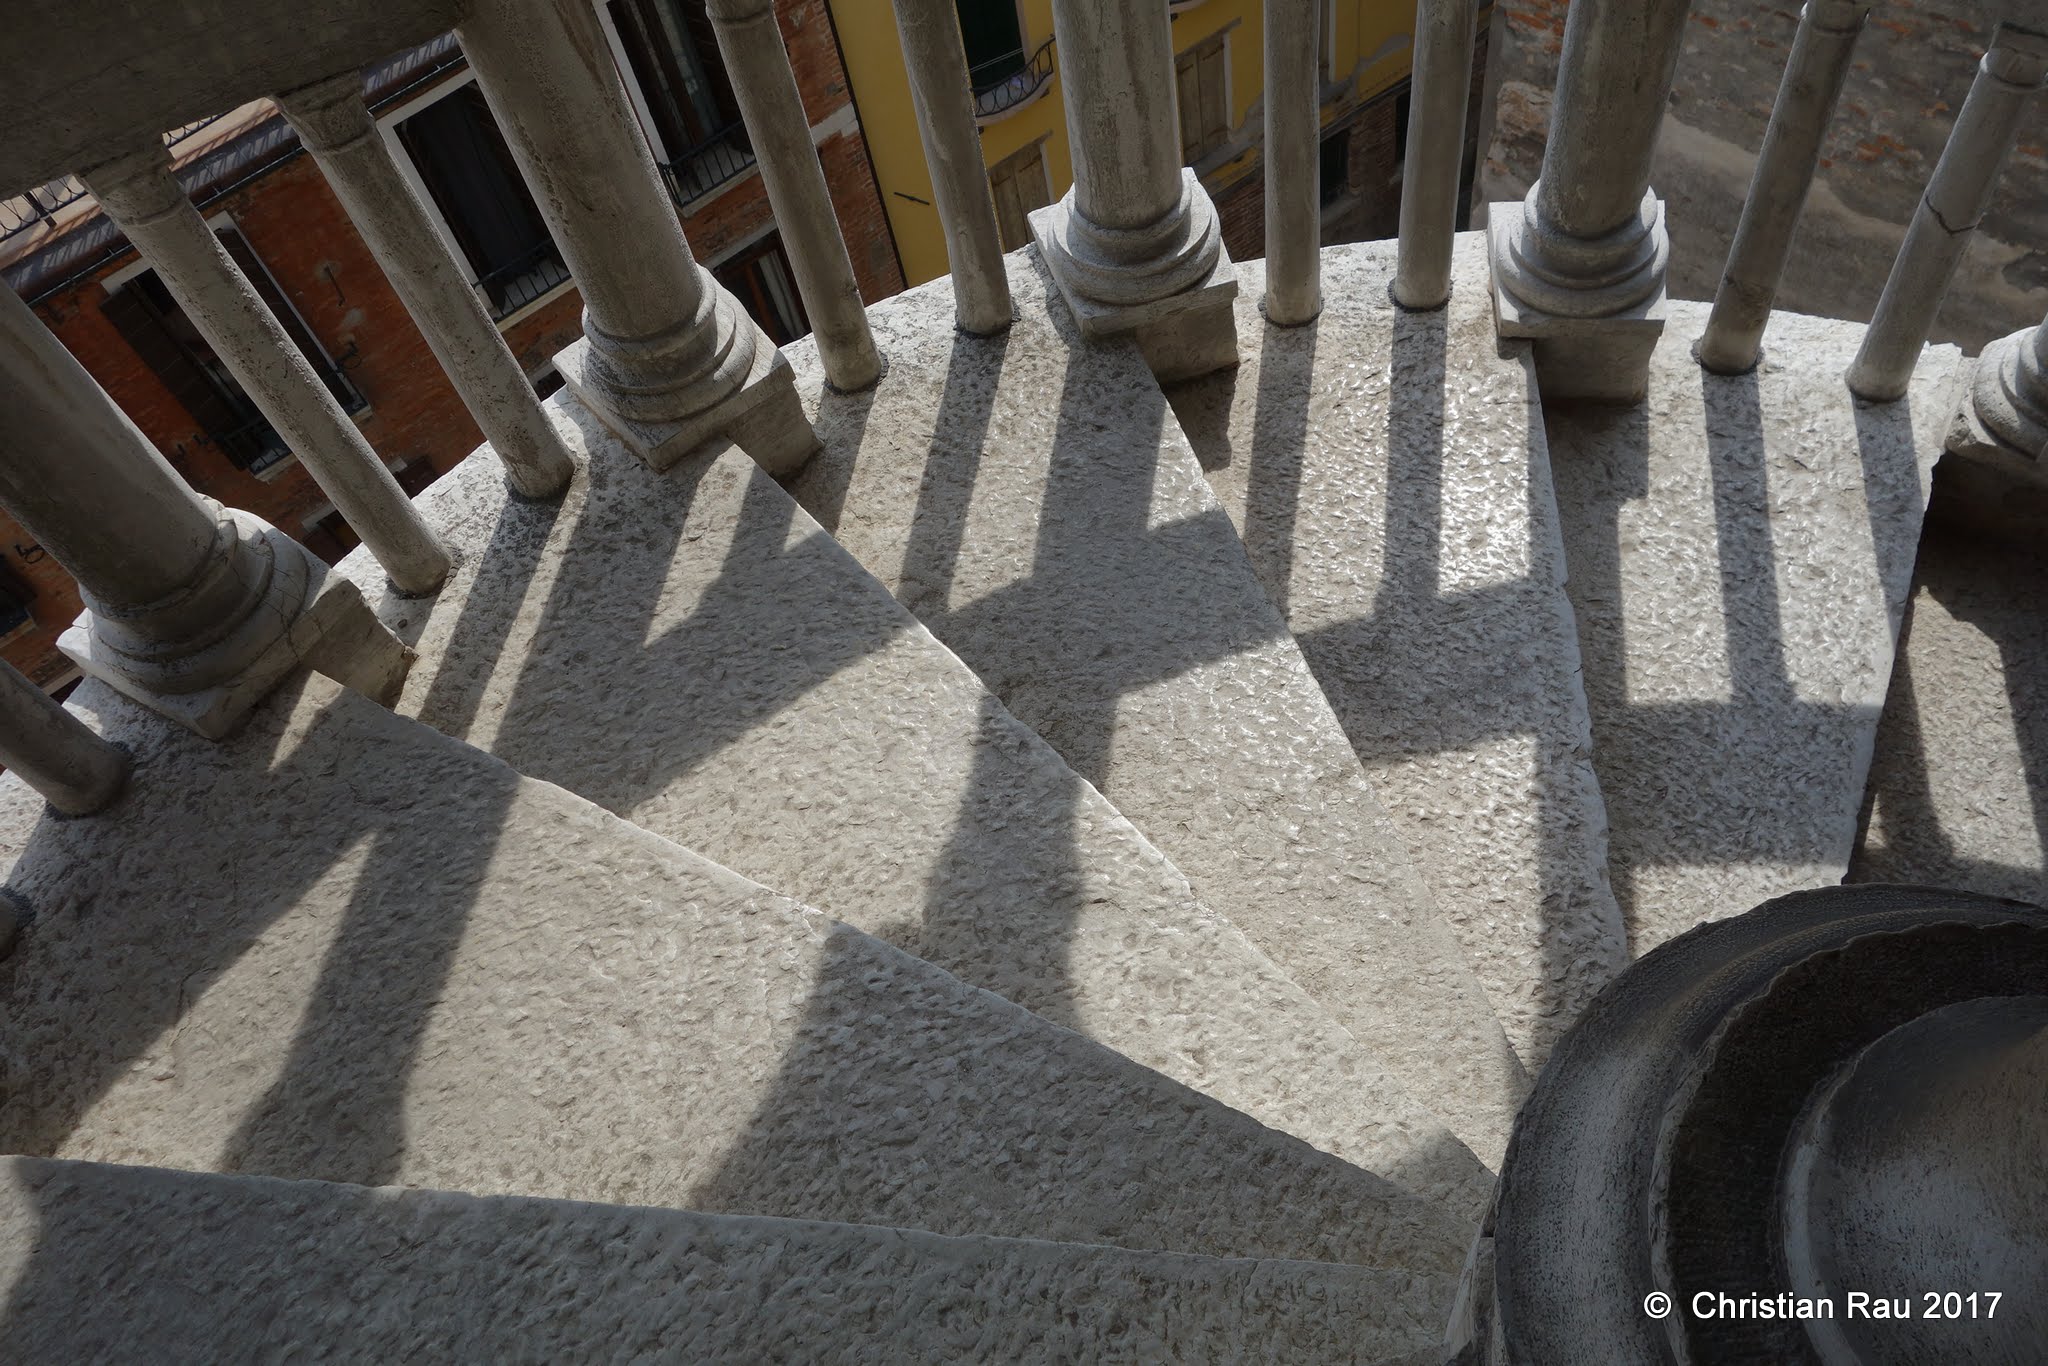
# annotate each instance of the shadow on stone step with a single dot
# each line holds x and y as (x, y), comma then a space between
(1958, 793)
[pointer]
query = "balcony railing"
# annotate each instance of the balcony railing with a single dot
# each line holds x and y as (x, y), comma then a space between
(697, 171)
(1009, 82)
(523, 279)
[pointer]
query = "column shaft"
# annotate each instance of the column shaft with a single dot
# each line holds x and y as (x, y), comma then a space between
(142, 197)
(336, 127)
(1785, 168)
(662, 346)
(1613, 80)
(54, 752)
(1293, 157)
(1116, 68)
(1435, 155)
(1957, 195)
(758, 65)
(937, 62)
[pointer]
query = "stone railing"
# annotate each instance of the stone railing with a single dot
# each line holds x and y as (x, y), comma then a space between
(669, 360)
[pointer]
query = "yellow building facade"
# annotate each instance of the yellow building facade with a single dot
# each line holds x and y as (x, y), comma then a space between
(1219, 64)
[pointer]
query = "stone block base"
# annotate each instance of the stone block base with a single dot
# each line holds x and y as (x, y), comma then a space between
(333, 632)
(763, 417)
(1987, 482)
(1594, 360)
(1183, 336)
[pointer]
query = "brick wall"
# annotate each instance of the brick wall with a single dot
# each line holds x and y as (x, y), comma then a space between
(295, 225)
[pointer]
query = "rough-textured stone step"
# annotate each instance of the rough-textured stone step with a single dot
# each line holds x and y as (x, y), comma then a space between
(1959, 785)
(343, 946)
(1388, 476)
(691, 651)
(1740, 551)
(105, 1263)
(1032, 499)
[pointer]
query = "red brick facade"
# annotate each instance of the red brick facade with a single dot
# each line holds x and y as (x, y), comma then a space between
(293, 222)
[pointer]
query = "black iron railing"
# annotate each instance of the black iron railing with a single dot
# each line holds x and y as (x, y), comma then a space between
(697, 171)
(1003, 83)
(252, 447)
(523, 279)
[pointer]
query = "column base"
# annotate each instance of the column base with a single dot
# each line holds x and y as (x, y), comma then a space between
(1183, 336)
(763, 416)
(328, 628)
(1599, 359)
(1996, 470)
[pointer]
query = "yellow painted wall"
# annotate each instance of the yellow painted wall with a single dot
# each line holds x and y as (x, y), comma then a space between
(1371, 53)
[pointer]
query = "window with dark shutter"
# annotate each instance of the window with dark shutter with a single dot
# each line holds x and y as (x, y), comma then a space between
(16, 593)
(151, 322)
(759, 277)
(1018, 184)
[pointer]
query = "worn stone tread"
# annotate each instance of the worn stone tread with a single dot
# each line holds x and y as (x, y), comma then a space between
(1740, 551)
(342, 946)
(1388, 476)
(1032, 499)
(104, 1263)
(691, 651)
(1959, 784)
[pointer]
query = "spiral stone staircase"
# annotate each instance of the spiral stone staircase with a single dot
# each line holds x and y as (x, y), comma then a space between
(1079, 871)
(966, 849)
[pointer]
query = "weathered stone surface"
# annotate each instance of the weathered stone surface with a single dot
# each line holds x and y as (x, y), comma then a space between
(692, 652)
(181, 1266)
(1740, 551)
(344, 947)
(1033, 500)
(1388, 475)
(1959, 785)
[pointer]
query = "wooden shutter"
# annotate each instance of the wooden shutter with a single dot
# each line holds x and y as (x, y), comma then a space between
(194, 389)
(1202, 94)
(1018, 185)
(1215, 90)
(1188, 90)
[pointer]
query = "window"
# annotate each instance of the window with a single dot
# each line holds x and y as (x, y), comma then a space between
(1202, 86)
(994, 41)
(669, 57)
(16, 593)
(467, 171)
(1019, 184)
(1401, 129)
(153, 324)
(1336, 165)
(758, 276)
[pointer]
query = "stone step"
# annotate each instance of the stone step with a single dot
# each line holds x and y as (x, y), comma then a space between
(1033, 500)
(1388, 475)
(342, 946)
(106, 1263)
(1740, 552)
(1959, 785)
(691, 651)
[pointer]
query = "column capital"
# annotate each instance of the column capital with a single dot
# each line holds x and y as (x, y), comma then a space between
(329, 115)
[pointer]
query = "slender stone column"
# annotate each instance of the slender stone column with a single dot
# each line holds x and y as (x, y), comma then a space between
(142, 197)
(336, 127)
(937, 61)
(1785, 167)
(758, 65)
(192, 609)
(1135, 245)
(668, 359)
(54, 752)
(1294, 228)
(1579, 265)
(1957, 195)
(1435, 155)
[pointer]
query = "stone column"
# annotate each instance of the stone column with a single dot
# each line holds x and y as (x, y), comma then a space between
(757, 63)
(142, 197)
(192, 609)
(2003, 415)
(1134, 246)
(1579, 265)
(1785, 167)
(937, 61)
(54, 752)
(668, 359)
(1294, 227)
(1435, 155)
(336, 127)
(1957, 195)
